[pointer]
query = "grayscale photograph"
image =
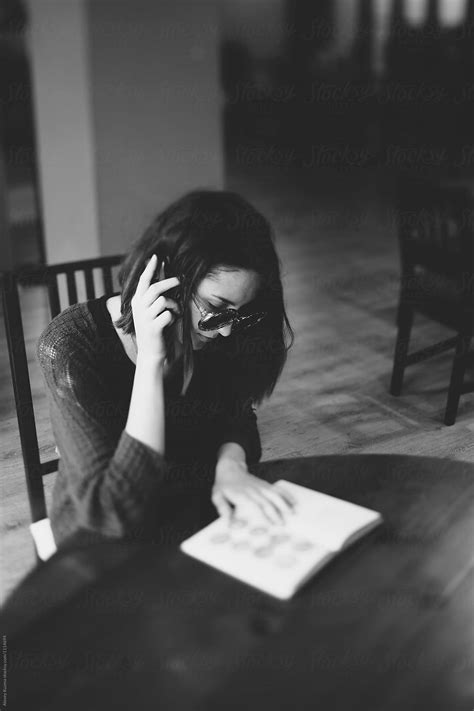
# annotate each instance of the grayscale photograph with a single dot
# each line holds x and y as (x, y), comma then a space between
(237, 355)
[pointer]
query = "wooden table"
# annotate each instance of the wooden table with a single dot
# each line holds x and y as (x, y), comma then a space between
(387, 625)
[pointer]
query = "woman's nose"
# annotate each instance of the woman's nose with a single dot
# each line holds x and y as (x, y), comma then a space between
(226, 330)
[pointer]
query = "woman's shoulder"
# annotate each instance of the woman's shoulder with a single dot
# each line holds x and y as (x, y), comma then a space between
(72, 332)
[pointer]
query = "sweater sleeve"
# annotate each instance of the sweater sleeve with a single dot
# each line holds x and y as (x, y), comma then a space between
(110, 482)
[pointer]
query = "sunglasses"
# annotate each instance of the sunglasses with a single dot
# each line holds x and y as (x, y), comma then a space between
(213, 320)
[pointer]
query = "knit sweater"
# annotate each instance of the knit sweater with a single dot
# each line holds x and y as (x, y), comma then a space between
(108, 482)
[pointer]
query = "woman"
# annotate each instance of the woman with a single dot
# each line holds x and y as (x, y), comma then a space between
(196, 338)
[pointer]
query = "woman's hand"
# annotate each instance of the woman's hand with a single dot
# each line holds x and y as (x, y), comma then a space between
(235, 487)
(152, 312)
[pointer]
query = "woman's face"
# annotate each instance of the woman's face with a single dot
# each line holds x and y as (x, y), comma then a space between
(225, 287)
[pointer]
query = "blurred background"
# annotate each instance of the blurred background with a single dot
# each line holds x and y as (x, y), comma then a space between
(111, 108)
(315, 111)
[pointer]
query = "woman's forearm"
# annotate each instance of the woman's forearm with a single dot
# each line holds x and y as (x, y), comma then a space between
(146, 418)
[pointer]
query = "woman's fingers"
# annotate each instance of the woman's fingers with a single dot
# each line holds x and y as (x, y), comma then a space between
(239, 499)
(146, 276)
(283, 505)
(271, 512)
(163, 319)
(159, 287)
(250, 500)
(161, 304)
(223, 507)
(273, 507)
(289, 498)
(150, 291)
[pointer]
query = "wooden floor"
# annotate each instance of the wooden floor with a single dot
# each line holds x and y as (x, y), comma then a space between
(336, 236)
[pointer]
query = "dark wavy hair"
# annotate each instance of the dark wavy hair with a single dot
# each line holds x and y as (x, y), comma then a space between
(195, 235)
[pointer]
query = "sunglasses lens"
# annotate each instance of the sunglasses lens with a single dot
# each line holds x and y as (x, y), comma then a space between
(247, 321)
(213, 322)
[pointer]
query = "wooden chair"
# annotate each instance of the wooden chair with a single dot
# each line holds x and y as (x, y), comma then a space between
(436, 236)
(11, 284)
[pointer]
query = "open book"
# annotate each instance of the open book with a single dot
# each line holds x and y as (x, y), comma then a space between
(280, 558)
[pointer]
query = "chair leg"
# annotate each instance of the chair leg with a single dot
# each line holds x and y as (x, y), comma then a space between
(405, 322)
(457, 377)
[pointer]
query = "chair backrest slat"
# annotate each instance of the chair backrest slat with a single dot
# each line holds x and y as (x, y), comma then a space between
(71, 288)
(10, 283)
(89, 279)
(53, 294)
(108, 283)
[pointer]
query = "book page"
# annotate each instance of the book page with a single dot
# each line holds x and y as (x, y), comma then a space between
(278, 558)
(274, 559)
(332, 522)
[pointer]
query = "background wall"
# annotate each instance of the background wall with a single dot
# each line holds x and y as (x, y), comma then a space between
(127, 115)
(261, 26)
(156, 109)
(57, 43)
